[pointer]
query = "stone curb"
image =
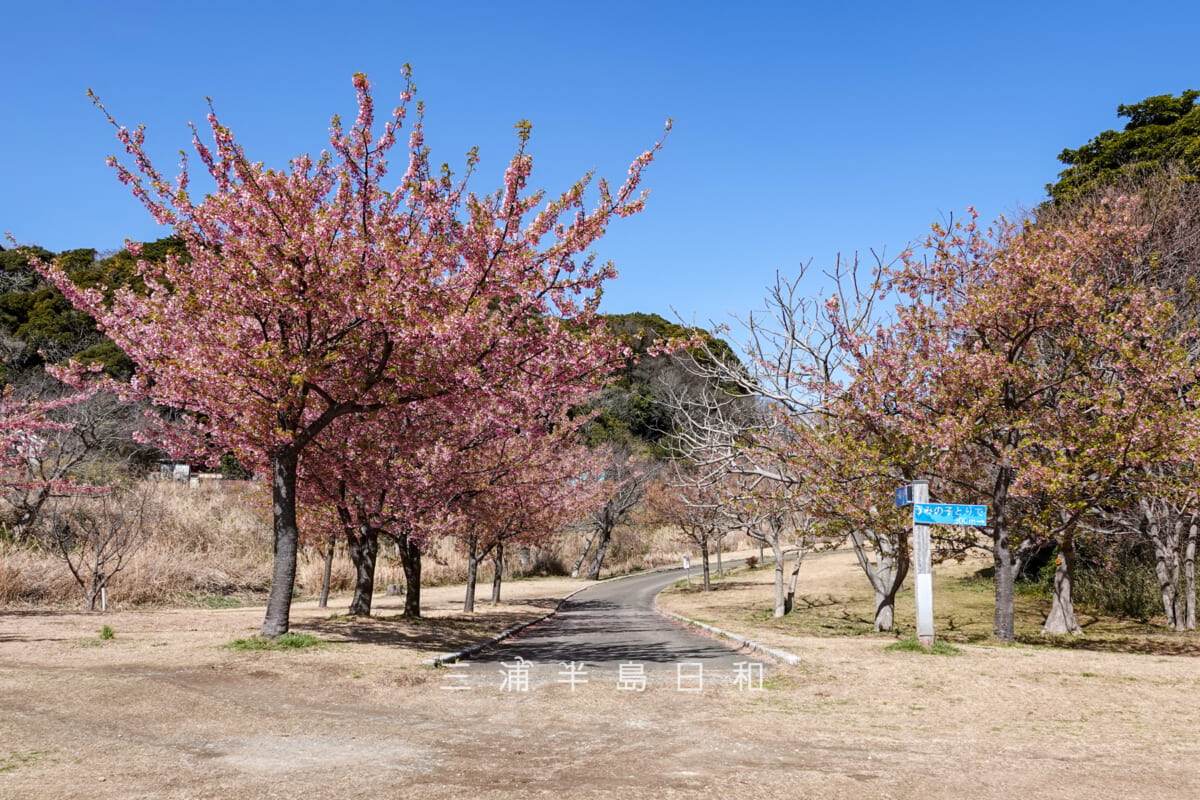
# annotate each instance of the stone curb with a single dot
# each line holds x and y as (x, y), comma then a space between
(778, 655)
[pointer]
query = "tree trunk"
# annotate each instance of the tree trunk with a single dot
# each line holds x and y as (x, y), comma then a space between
(793, 579)
(1003, 625)
(29, 512)
(1062, 609)
(1189, 575)
(94, 594)
(410, 559)
(498, 560)
(586, 547)
(704, 559)
(720, 550)
(893, 571)
(472, 572)
(1163, 558)
(364, 550)
(327, 574)
(604, 537)
(886, 574)
(287, 541)
(783, 604)
(885, 612)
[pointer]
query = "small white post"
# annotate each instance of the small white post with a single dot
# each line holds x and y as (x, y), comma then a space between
(687, 565)
(103, 599)
(923, 563)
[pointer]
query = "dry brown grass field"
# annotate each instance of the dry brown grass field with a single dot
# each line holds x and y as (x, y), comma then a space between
(164, 709)
(213, 549)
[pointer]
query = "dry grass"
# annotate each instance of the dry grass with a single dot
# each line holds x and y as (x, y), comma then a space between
(214, 549)
(833, 598)
(213, 541)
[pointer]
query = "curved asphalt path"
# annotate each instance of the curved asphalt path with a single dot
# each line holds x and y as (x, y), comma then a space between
(604, 626)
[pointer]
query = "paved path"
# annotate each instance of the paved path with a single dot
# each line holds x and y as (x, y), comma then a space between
(605, 626)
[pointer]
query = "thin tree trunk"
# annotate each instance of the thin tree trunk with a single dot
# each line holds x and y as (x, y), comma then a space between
(1189, 575)
(410, 559)
(1177, 557)
(498, 560)
(605, 536)
(794, 578)
(586, 547)
(364, 550)
(704, 558)
(1162, 571)
(885, 604)
(287, 541)
(472, 571)
(94, 594)
(1062, 609)
(720, 550)
(327, 573)
(783, 603)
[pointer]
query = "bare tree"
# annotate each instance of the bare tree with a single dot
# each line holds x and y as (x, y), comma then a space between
(629, 475)
(96, 535)
(689, 500)
(784, 444)
(91, 442)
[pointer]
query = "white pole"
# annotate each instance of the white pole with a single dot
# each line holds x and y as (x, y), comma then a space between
(921, 555)
(103, 599)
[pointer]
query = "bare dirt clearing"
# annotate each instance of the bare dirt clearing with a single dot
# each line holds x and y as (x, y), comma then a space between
(164, 711)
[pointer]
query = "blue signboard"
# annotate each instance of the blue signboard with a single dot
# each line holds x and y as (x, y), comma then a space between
(903, 496)
(947, 514)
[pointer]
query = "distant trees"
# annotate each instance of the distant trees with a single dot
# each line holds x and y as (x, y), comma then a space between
(1163, 130)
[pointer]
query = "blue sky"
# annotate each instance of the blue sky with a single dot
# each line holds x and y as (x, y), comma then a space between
(801, 129)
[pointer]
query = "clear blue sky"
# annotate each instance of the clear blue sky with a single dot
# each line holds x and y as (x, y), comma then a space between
(802, 129)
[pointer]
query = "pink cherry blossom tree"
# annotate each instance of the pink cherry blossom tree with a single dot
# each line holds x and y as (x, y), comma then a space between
(523, 490)
(1035, 375)
(312, 293)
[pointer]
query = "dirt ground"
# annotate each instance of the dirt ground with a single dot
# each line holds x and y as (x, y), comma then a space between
(163, 710)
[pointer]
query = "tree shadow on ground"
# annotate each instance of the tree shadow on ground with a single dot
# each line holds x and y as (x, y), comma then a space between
(1186, 644)
(718, 585)
(426, 634)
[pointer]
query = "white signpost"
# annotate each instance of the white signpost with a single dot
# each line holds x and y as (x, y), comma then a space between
(687, 565)
(924, 515)
(924, 564)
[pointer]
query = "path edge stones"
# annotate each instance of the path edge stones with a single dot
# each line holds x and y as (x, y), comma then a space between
(779, 655)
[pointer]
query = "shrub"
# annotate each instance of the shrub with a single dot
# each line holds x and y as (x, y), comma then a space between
(1129, 589)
